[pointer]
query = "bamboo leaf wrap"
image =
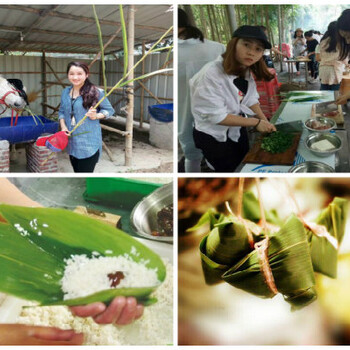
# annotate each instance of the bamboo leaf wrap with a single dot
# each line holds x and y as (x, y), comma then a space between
(324, 254)
(290, 263)
(32, 253)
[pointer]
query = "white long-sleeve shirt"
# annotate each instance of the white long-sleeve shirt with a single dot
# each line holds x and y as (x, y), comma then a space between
(193, 54)
(214, 96)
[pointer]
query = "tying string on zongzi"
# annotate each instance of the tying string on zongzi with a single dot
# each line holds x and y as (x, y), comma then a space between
(261, 249)
(318, 230)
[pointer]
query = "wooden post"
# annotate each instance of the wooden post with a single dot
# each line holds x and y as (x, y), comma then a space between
(142, 90)
(43, 83)
(130, 109)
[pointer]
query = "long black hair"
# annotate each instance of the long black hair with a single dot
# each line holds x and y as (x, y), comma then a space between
(88, 91)
(189, 31)
(343, 23)
(331, 33)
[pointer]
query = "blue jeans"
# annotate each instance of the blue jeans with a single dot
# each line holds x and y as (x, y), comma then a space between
(334, 87)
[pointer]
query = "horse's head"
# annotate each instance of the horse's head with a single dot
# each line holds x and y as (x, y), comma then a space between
(12, 94)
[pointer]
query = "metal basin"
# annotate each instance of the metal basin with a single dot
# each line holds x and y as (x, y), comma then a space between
(311, 167)
(144, 215)
(327, 123)
(330, 137)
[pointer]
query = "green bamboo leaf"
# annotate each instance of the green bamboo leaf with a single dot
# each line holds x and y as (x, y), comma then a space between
(125, 40)
(251, 210)
(210, 217)
(290, 263)
(100, 40)
(144, 76)
(35, 241)
(324, 255)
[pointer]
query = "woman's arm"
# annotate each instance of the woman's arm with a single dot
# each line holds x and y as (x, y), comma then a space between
(261, 125)
(10, 194)
(257, 110)
(342, 100)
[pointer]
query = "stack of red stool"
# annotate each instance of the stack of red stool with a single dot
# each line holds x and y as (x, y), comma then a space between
(269, 96)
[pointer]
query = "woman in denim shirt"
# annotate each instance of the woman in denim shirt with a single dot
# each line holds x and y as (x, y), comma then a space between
(85, 143)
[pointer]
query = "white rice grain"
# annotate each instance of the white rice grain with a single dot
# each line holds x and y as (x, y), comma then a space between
(84, 276)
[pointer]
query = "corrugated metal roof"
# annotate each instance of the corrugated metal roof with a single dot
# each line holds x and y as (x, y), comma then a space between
(72, 28)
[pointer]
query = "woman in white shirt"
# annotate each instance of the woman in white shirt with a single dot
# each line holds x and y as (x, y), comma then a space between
(193, 53)
(223, 92)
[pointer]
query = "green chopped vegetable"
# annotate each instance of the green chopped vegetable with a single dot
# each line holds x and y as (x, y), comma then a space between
(277, 142)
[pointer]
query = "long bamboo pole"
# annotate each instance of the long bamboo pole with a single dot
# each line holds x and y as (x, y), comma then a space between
(130, 76)
(120, 82)
(142, 101)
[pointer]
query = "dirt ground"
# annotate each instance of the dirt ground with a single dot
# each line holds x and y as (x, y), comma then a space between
(145, 158)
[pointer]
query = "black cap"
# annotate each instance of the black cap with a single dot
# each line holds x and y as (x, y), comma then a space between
(182, 18)
(252, 32)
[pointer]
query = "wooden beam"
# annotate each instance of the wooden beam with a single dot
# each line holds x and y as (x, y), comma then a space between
(22, 45)
(56, 76)
(120, 132)
(108, 151)
(43, 84)
(130, 107)
(150, 92)
(42, 14)
(97, 56)
(78, 18)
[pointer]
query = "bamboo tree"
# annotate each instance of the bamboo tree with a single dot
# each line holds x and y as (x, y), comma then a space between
(239, 18)
(203, 21)
(262, 14)
(216, 23)
(212, 36)
(125, 39)
(99, 32)
(255, 16)
(249, 19)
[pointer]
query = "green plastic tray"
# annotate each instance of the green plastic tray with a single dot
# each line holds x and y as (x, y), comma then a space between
(119, 192)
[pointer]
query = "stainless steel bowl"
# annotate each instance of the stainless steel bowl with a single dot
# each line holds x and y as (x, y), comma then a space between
(144, 215)
(315, 137)
(311, 167)
(327, 122)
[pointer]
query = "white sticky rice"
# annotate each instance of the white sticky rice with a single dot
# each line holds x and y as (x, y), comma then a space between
(155, 327)
(84, 276)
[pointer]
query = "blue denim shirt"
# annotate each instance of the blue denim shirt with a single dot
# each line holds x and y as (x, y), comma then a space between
(89, 134)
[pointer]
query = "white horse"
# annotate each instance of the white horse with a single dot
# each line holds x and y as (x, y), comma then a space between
(12, 95)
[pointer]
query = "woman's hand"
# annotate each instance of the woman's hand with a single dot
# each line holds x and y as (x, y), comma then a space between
(19, 334)
(265, 127)
(343, 99)
(92, 113)
(121, 311)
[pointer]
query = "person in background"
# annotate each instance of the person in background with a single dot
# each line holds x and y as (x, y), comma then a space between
(77, 100)
(316, 35)
(193, 53)
(121, 311)
(327, 54)
(311, 44)
(343, 37)
(267, 53)
(299, 45)
(223, 92)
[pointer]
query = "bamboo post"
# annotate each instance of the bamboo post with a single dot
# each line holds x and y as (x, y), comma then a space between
(43, 83)
(130, 110)
(142, 100)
